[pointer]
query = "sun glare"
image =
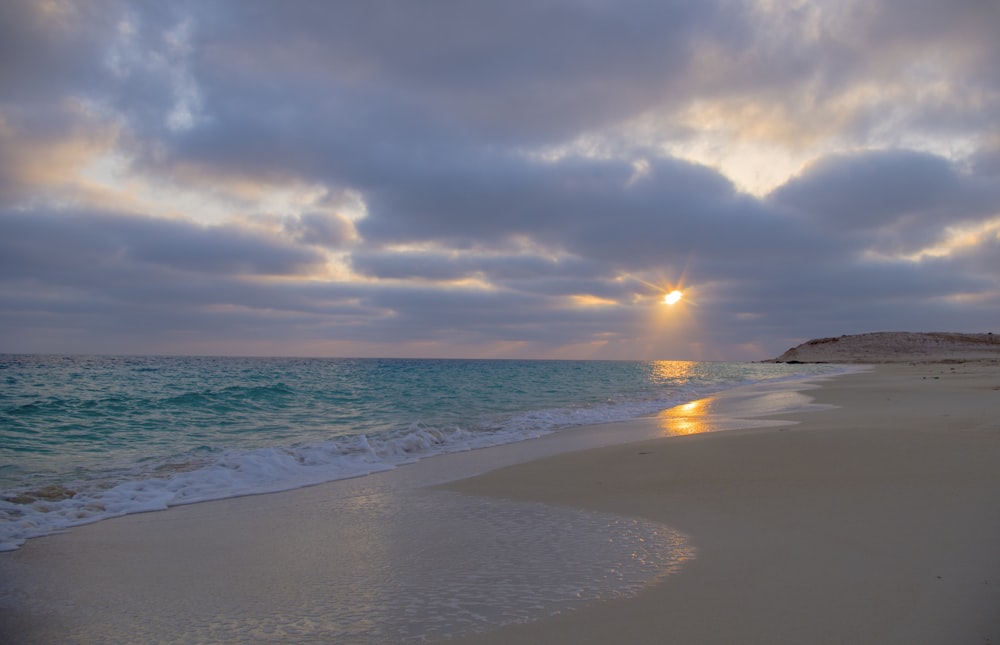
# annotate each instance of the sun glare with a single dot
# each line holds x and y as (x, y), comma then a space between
(673, 297)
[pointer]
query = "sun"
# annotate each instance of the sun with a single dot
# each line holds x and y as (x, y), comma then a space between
(673, 297)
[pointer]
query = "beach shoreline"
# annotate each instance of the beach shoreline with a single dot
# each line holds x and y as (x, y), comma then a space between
(872, 521)
(865, 517)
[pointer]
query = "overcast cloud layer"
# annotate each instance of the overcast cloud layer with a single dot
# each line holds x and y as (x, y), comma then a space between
(511, 179)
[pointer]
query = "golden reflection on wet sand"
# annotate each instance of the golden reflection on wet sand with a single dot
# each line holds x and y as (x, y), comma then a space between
(688, 418)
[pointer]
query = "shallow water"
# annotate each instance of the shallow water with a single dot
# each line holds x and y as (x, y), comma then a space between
(86, 438)
(391, 567)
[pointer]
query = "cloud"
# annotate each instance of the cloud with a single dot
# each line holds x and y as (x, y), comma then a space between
(49, 49)
(557, 67)
(583, 207)
(494, 178)
(354, 92)
(871, 190)
(72, 246)
(895, 201)
(321, 229)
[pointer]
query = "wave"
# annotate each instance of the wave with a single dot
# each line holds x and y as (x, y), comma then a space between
(237, 394)
(211, 472)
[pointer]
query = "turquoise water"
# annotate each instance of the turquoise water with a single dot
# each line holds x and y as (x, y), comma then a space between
(84, 438)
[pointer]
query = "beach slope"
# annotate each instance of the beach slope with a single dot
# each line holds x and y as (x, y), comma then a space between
(872, 522)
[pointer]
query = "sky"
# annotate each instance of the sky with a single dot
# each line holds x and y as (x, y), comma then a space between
(497, 178)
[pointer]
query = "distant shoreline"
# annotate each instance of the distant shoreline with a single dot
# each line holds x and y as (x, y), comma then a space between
(897, 347)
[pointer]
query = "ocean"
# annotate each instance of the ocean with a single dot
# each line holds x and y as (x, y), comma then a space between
(83, 438)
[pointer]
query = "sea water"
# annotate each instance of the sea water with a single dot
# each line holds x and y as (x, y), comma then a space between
(83, 438)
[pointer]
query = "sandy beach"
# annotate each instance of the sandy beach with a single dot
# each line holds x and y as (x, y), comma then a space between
(874, 520)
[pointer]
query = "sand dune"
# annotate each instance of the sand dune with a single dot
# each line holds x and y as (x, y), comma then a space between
(897, 347)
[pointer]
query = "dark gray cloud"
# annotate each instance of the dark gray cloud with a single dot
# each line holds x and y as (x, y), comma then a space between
(496, 266)
(894, 201)
(601, 210)
(48, 50)
(321, 229)
(357, 93)
(558, 67)
(64, 243)
(468, 177)
(872, 190)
